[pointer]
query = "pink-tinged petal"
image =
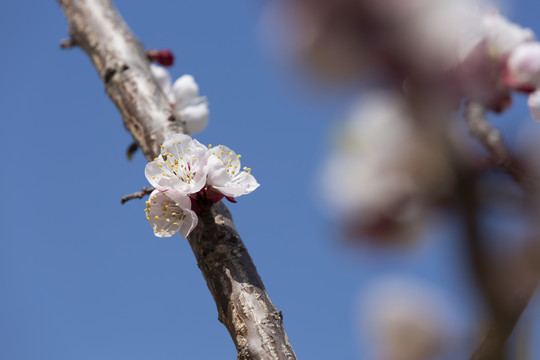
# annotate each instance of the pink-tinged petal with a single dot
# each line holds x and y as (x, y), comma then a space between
(534, 105)
(184, 91)
(524, 64)
(162, 77)
(195, 117)
(169, 212)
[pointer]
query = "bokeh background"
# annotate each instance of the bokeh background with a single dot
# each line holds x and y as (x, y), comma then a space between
(83, 277)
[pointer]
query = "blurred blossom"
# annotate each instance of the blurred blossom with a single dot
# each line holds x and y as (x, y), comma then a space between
(385, 170)
(323, 34)
(442, 33)
(408, 320)
(460, 48)
(524, 65)
(483, 75)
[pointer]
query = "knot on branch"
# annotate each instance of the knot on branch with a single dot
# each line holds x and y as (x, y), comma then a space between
(112, 71)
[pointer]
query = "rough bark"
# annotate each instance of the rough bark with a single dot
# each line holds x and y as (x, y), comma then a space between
(243, 305)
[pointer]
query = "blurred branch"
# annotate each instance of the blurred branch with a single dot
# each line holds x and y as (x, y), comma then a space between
(475, 115)
(491, 139)
(505, 322)
(507, 300)
(243, 305)
(467, 196)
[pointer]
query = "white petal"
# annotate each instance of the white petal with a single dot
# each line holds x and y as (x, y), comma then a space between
(243, 184)
(217, 173)
(195, 117)
(159, 175)
(189, 223)
(524, 64)
(184, 91)
(220, 159)
(534, 105)
(170, 212)
(176, 142)
(163, 78)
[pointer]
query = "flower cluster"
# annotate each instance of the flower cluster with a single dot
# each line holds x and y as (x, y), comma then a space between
(183, 95)
(187, 171)
(506, 58)
(460, 49)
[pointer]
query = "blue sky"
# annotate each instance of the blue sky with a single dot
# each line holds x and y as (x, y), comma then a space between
(82, 277)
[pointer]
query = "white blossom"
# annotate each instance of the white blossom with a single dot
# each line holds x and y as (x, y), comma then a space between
(181, 166)
(169, 212)
(184, 96)
(226, 175)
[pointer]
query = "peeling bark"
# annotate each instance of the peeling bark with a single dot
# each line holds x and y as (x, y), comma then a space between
(243, 305)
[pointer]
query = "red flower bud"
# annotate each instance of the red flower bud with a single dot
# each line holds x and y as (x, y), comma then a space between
(164, 57)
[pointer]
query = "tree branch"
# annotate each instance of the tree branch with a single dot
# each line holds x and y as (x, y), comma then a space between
(243, 305)
(136, 195)
(491, 139)
(507, 303)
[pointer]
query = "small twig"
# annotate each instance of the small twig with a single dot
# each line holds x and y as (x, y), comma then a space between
(137, 195)
(131, 150)
(481, 129)
(67, 43)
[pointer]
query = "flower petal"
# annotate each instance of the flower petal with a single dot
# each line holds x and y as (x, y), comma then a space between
(170, 212)
(195, 117)
(534, 105)
(184, 90)
(183, 165)
(176, 143)
(217, 172)
(162, 77)
(159, 175)
(242, 184)
(225, 175)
